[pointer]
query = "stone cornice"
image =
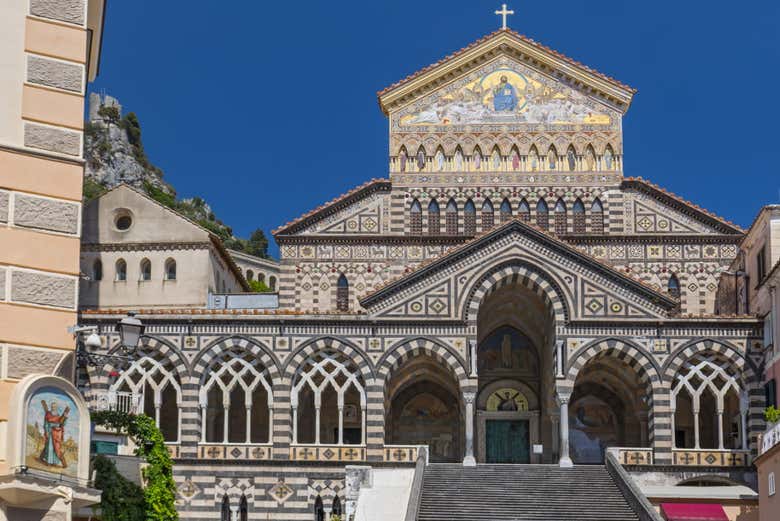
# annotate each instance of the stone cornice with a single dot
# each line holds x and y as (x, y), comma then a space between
(145, 246)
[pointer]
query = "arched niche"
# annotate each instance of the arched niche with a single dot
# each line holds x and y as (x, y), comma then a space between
(49, 427)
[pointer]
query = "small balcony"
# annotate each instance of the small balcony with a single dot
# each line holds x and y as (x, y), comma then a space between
(769, 438)
(116, 401)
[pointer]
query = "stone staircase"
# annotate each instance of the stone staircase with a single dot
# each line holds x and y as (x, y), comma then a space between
(452, 492)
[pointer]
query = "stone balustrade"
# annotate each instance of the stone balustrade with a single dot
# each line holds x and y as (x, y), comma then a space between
(711, 457)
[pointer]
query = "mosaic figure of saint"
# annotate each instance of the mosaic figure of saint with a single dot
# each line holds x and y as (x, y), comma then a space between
(402, 159)
(458, 160)
(504, 96)
(507, 402)
(420, 159)
(439, 161)
(496, 160)
(477, 160)
(53, 435)
(515, 161)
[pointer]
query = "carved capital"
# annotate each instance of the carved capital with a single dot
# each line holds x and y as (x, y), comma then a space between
(469, 398)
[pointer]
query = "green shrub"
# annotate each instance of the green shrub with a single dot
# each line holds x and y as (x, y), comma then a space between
(772, 414)
(92, 189)
(120, 498)
(258, 286)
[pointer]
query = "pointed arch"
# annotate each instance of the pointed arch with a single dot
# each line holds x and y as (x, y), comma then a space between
(243, 509)
(403, 158)
(590, 159)
(609, 160)
(415, 218)
(420, 158)
(578, 215)
(342, 293)
(458, 159)
(597, 216)
(336, 508)
(97, 270)
(552, 158)
(560, 216)
(673, 286)
(505, 211)
(571, 158)
(440, 159)
(451, 218)
(495, 159)
(120, 270)
(319, 510)
(145, 270)
(524, 211)
(514, 155)
(434, 218)
(469, 218)
(487, 214)
(170, 268)
(533, 159)
(542, 215)
(476, 158)
(224, 514)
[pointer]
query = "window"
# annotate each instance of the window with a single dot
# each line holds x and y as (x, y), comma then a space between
(674, 286)
(250, 274)
(560, 217)
(571, 159)
(597, 217)
(487, 215)
(542, 217)
(451, 218)
(319, 510)
(434, 218)
(524, 211)
(121, 270)
(770, 484)
(260, 277)
(272, 283)
(768, 330)
(123, 221)
(505, 211)
(225, 511)
(469, 218)
(578, 212)
(243, 509)
(342, 293)
(336, 509)
(146, 270)
(415, 218)
(97, 270)
(761, 265)
(770, 393)
(170, 269)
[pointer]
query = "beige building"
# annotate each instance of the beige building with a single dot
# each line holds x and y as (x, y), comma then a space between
(49, 51)
(257, 268)
(137, 253)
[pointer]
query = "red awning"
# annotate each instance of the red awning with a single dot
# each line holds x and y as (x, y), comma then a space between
(693, 512)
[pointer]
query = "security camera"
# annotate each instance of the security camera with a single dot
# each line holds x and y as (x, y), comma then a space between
(93, 341)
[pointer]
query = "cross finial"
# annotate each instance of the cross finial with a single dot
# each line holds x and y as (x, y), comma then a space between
(503, 13)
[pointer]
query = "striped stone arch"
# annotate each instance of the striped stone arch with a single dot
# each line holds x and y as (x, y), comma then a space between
(408, 349)
(739, 363)
(516, 273)
(348, 350)
(146, 345)
(205, 358)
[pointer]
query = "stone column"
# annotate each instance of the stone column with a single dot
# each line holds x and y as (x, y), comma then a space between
(468, 399)
(563, 400)
(744, 406)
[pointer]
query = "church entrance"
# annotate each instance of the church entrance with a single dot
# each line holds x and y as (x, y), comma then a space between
(507, 441)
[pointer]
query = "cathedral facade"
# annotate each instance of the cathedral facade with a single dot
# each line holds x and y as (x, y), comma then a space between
(506, 295)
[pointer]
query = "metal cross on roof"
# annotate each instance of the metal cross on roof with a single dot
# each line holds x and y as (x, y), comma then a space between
(504, 12)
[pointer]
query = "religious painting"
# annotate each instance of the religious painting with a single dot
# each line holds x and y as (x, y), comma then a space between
(507, 400)
(506, 93)
(507, 350)
(52, 432)
(426, 420)
(593, 426)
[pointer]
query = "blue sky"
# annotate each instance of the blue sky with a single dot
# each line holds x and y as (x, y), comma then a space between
(268, 109)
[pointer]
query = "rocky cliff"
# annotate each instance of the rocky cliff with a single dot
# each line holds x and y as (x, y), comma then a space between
(114, 154)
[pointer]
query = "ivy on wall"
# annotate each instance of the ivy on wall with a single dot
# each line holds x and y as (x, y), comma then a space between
(159, 494)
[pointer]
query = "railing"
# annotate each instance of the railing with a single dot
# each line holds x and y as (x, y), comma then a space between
(711, 457)
(769, 438)
(633, 494)
(117, 401)
(415, 494)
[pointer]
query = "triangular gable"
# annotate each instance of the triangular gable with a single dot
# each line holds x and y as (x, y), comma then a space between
(654, 210)
(518, 47)
(592, 290)
(357, 211)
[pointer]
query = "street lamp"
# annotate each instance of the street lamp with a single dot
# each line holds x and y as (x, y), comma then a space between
(130, 330)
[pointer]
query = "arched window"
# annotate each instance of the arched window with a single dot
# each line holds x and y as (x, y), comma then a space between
(97, 270)
(225, 511)
(469, 218)
(328, 401)
(420, 159)
(674, 286)
(533, 159)
(524, 211)
(121, 270)
(342, 293)
(434, 218)
(260, 277)
(552, 158)
(451, 218)
(609, 158)
(336, 510)
(236, 400)
(415, 218)
(505, 210)
(170, 269)
(146, 270)
(597, 217)
(571, 159)
(153, 388)
(542, 215)
(243, 509)
(487, 215)
(590, 159)
(272, 283)
(578, 213)
(319, 510)
(250, 274)
(560, 217)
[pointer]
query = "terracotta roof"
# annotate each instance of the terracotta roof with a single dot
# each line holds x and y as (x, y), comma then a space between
(207, 311)
(765, 208)
(488, 37)
(654, 188)
(517, 220)
(342, 200)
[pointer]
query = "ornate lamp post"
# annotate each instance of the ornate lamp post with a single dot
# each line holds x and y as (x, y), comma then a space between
(130, 330)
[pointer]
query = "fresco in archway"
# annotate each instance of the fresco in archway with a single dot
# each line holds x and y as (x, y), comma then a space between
(593, 426)
(507, 400)
(52, 432)
(507, 351)
(426, 420)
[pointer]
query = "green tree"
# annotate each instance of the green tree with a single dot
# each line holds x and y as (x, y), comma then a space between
(257, 244)
(120, 498)
(258, 286)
